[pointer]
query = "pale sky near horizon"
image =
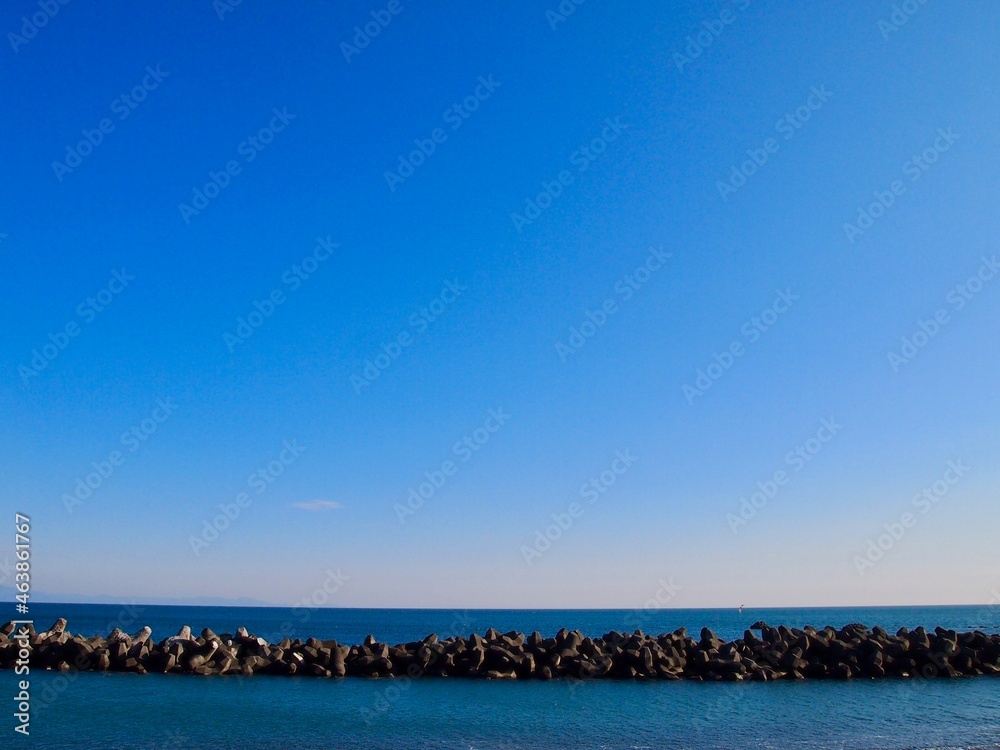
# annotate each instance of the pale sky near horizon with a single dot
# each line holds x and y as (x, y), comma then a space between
(501, 305)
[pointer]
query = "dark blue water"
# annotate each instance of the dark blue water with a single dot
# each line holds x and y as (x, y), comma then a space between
(401, 625)
(132, 712)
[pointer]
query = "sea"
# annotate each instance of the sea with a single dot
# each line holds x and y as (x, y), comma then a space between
(170, 712)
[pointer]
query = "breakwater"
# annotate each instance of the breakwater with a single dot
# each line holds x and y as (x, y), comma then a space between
(853, 651)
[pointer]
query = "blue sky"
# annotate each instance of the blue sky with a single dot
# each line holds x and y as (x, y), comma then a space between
(503, 249)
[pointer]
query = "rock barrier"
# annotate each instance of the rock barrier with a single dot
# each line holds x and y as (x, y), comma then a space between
(853, 651)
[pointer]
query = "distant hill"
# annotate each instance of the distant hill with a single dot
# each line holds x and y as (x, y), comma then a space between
(42, 597)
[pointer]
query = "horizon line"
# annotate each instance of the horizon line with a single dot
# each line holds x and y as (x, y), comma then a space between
(523, 609)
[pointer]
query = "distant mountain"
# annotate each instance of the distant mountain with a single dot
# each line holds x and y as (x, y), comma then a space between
(42, 597)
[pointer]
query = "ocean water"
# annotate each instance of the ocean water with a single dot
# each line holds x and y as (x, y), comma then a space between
(132, 712)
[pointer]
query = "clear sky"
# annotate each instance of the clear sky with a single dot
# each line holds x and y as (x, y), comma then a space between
(595, 270)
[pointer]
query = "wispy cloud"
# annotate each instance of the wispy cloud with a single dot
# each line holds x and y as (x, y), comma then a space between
(318, 505)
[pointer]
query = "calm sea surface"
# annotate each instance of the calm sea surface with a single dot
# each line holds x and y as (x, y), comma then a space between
(87, 710)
